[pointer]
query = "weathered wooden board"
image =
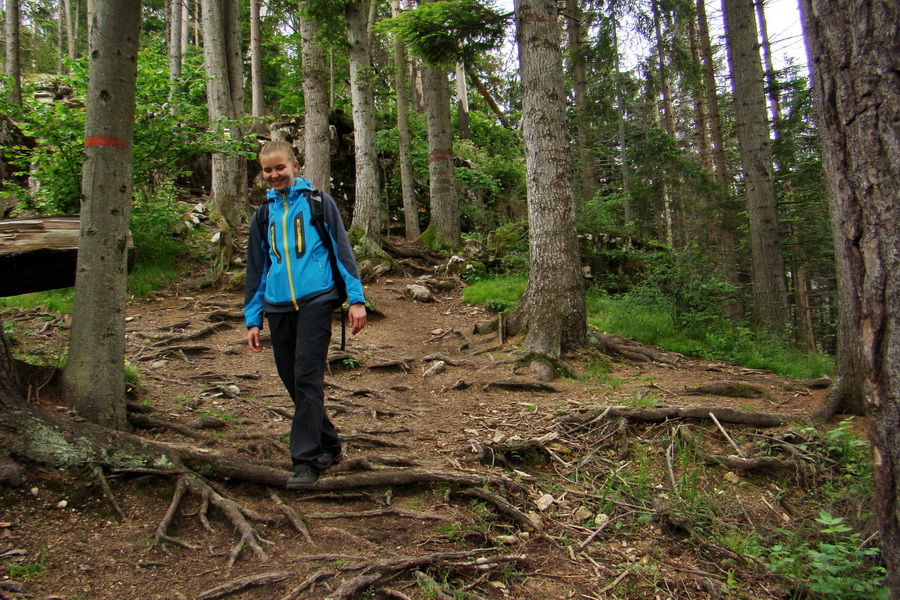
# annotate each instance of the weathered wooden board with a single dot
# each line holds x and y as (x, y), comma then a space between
(40, 253)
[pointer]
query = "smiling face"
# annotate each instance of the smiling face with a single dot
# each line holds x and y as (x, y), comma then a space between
(278, 170)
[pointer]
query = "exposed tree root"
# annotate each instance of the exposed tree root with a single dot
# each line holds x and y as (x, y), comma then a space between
(515, 385)
(292, 515)
(234, 513)
(243, 583)
(631, 350)
(657, 415)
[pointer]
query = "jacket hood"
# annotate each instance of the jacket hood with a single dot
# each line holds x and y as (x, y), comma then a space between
(300, 185)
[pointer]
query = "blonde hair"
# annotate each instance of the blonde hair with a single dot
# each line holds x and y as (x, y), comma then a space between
(278, 146)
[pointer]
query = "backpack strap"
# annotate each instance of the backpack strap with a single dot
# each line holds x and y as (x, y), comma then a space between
(318, 221)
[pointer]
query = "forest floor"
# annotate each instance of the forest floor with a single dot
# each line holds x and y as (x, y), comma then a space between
(479, 478)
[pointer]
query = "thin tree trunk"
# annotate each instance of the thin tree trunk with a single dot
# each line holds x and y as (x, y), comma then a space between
(578, 71)
(404, 140)
(317, 152)
(60, 39)
(805, 334)
(225, 97)
(771, 81)
(620, 114)
(175, 51)
(722, 228)
(13, 62)
(93, 380)
(712, 97)
(366, 212)
(257, 109)
(486, 95)
(552, 309)
(770, 302)
(697, 92)
(462, 102)
(70, 28)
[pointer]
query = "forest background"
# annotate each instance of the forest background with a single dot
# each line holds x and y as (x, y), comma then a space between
(695, 230)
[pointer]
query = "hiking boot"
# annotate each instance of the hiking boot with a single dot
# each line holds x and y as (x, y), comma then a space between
(303, 477)
(323, 461)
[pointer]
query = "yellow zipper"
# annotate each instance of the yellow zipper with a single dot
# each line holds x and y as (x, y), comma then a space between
(287, 252)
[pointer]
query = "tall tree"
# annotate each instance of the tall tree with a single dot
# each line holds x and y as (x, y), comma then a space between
(93, 380)
(366, 211)
(256, 83)
(225, 97)
(404, 140)
(317, 152)
(577, 66)
(444, 225)
(175, 49)
(552, 309)
(770, 301)
(70, 28)
(854, 57)
(13, 63)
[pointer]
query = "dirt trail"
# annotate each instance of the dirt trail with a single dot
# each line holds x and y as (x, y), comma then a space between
(457, 421)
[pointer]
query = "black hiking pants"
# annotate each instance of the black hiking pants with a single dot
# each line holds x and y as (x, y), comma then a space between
(300, 344)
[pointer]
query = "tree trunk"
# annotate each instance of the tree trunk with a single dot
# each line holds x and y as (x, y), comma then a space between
(486, 95)
(225, 97)
(620, 115)
(367, 209)
(552, 310)
(771, 81)
(770, 302)
(256, 85)
(701, 127)
(854, 56)
(462, 103)
(722, 229)
(175, 50)
(13, 62)
(712, 97)
(70, 29)
(93, 381)
(407, 175)
(317, 152)
(578, 71)
(444, 225)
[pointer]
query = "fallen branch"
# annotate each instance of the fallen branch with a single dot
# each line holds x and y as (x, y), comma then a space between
(385, 512)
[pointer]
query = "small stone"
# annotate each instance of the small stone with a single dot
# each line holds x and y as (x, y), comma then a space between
(62, 504)
(34, 491)
(507, 539)
(544, 502)
(582, 514)
(435, 369)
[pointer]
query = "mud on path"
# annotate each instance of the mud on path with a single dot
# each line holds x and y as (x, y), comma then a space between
(540, 525)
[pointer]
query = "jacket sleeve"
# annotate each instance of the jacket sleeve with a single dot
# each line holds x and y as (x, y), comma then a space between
(343, 249)
(257, 267)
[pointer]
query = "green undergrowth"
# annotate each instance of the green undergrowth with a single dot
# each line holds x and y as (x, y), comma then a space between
(700, 333)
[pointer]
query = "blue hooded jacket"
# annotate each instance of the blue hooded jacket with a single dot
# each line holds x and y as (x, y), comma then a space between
(289, 266)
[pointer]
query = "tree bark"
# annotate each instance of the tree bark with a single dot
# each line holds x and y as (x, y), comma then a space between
(317, 153)
(552, 310)
(367, 209)
(225, 96)
(13, 62)
(854, 52)
(770, 302)
(93, 380)
(407, 175)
